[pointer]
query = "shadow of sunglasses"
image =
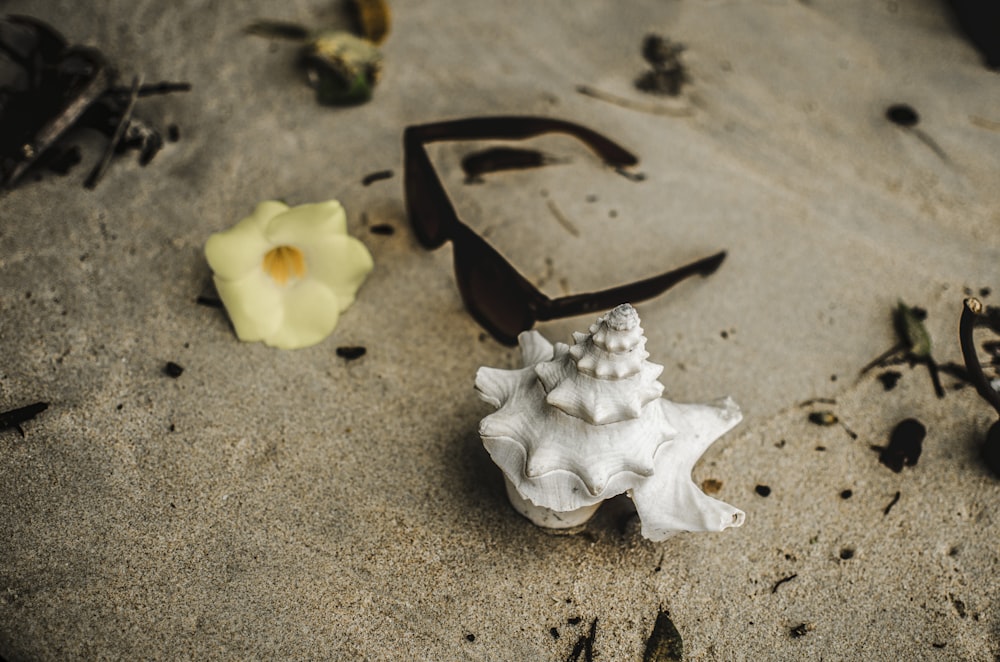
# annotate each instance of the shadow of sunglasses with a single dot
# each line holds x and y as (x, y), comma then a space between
(498, 297)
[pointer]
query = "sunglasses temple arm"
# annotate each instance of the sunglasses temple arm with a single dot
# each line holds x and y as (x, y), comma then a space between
(589, 302)
(519, 128)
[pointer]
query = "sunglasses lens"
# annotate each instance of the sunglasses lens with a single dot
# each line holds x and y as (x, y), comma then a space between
(422, 218)
(493, 292)
(425, 201)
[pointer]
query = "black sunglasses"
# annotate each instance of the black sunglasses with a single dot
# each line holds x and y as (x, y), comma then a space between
(503, 301)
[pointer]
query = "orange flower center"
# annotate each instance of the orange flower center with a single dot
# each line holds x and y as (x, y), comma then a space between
(283, 262)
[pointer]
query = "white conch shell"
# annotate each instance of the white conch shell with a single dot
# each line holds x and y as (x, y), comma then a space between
(578, 425)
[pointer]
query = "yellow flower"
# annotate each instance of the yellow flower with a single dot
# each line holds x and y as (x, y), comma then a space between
(285, 274)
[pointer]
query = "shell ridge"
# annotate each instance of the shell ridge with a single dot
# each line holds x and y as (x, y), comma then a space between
(563, 490)
(699, 425)
(552, 373)
(669, 507)
(517, 412)
(534, 348)
(507, 453)
(498, 386)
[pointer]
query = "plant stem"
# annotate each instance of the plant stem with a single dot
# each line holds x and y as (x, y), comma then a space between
(973, 308)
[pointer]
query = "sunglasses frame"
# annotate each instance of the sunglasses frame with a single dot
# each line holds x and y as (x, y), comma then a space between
(435, 221)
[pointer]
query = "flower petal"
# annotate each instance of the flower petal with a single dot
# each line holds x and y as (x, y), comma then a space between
(311, 311)
(341, 263)
(232, 254)
(302, 225)
(265, 211)
(254, 304)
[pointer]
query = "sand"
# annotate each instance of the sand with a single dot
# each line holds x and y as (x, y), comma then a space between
(293, 504)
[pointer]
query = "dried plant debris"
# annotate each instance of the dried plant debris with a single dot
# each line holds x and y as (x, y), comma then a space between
(342, 67)
(685, 110)
(905, 445)
(60, 159)
(664, 643)
(783, 580)
(913, 347)
(667, 73)
(562, 218)
(823, 418)
(892, 503)
(827, 418)
(378, 176)
(629, 175)
(909, 323)
(372, 18)
(889, 379)
(583, 649)
(711, 486)
(123, 121)
(496, 159)
(210, 302)
(974, 314)
(817, 401)
(15, 417)
(48, 87)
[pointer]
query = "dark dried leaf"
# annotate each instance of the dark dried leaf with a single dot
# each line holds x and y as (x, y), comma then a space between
(664, 643)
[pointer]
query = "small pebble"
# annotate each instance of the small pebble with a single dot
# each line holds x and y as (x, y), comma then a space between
(383, 229)
(800, 630)
(824, 418)
(351, 353)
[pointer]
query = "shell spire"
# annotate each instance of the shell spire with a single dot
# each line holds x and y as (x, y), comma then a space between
(604, 377)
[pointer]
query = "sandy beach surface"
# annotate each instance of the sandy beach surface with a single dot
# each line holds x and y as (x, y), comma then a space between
(272, 504)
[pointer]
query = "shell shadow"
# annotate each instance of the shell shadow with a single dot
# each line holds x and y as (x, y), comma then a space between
(480, 482)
